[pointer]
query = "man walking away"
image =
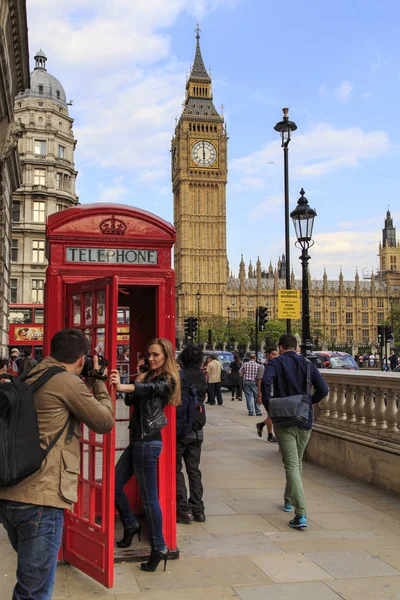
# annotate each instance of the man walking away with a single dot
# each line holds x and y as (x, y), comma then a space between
(249, 371)
(188, 448)
(271, 354)
(32, 511)
(27, 363)
(214, 370)
(393, 360)
(288, 375)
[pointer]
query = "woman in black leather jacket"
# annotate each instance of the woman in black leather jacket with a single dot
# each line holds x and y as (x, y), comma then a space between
(150, 393)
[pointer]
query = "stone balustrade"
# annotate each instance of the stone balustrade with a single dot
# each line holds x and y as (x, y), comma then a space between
(357, 427)
(362, 402)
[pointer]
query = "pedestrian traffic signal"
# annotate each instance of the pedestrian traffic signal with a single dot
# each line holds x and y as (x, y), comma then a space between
(381, 332)
(388, 333)
(262, 317)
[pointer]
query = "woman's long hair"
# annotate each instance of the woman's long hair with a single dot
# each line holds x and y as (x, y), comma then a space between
(169, 369)
(237, 360)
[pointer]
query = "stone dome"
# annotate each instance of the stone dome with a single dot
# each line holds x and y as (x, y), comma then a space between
(43, 84)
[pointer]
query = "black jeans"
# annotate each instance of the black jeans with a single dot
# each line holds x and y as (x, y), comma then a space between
(214, 389)
(237, 388)
(189, 450)
(140, 459)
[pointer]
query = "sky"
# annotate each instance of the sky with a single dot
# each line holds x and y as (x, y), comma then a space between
(336, 65)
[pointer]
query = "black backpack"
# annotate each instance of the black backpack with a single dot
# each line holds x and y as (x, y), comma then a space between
(20, 451)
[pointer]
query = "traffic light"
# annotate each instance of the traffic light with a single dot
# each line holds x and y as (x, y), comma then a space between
(381, 332)
(187, 326)
(194, 326)
(262, 317)
(388, 333)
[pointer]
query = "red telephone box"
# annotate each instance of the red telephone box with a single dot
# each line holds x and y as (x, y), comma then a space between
(102, 256)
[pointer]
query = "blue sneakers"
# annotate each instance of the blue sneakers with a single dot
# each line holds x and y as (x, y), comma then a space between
(298, 522)
(287, 507)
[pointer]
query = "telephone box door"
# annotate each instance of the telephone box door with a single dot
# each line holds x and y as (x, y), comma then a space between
(89, 528)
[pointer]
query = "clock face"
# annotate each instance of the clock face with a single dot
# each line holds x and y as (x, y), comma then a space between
(204, 153)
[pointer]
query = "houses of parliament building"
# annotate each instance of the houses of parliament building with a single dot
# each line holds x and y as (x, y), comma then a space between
(346, 312)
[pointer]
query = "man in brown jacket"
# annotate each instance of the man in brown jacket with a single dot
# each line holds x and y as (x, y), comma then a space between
(32, 511)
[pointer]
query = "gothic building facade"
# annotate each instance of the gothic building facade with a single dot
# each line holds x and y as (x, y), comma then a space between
(345, 312)
(14, 78)
(46, 149)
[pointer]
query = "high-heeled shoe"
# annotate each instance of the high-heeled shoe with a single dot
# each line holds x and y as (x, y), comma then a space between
(128, 536)
(155, 558)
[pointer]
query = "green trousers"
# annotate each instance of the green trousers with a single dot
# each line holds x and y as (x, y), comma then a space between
(292, 443)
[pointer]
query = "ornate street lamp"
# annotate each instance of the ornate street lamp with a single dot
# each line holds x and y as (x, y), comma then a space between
(303, 218)
(198, 297)
(285, 128)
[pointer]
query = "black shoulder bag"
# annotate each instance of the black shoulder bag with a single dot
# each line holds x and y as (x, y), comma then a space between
(292, 410)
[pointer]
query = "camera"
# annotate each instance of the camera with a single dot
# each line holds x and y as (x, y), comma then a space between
(89, 370)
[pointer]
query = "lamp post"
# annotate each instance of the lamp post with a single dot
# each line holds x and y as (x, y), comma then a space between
(303, 218)
(229, 325)
(285, 128)
(198, 296)
(391, 301)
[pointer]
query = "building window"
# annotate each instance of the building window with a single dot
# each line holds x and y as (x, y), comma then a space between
(13, 290)
(61, 151)
(40, 147)
(250, 314)
(349, 302)
(37, 291)
(40, 89)
(364, 303)
(379, 303)
(381, 317)
(40, 104)
(333, 335)
(349, 318)
(66, 182)
(333, 318)
(14, 250)
(39, 177)
(58, 94)
(59, 207)
(59, 179)
(38, 251)
(317, 302)
(349, 336)
(16, 211)
(364, 318)
(39, 210)
(317, 316)
(333, 302)
(365, 336)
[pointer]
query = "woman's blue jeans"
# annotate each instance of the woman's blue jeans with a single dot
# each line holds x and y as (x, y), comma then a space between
(140, 459)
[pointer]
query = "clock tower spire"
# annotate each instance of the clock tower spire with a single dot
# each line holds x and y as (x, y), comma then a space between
(199, 177)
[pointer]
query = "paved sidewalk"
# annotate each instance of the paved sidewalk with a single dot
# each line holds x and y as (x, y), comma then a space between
(245, 550)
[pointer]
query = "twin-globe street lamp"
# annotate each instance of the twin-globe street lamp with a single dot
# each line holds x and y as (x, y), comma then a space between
(303, 219)
(198, 297)
(285, 128)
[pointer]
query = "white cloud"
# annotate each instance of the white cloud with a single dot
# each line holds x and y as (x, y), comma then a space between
(269, 205)
(112, 194)
(378, 64)
(344, 90)
(249, 183)
(323, 149)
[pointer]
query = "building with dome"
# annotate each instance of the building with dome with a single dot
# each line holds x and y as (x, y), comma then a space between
(46, 150)
(14, 78)
(344, 313)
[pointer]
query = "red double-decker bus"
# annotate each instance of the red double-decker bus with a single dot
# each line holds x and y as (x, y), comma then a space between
(26, 330)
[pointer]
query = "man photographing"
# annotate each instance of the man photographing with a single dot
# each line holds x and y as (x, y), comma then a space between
(32, 511)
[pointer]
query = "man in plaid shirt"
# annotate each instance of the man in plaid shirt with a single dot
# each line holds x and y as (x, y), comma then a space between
(249, 372)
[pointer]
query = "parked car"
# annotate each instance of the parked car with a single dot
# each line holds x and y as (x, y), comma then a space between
(336, 360)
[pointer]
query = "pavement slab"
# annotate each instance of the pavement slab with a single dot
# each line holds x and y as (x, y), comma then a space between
(227, 545)
(290, 567)
(370, 588)
(345, 564)
(287, 591)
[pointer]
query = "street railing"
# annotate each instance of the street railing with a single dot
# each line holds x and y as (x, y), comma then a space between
(363, 402)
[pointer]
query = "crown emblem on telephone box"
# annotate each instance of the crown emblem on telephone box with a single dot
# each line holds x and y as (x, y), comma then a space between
(112, 226)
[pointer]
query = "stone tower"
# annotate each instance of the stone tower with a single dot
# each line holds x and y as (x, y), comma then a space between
(389, 253)
(199, 177)
(48, 178)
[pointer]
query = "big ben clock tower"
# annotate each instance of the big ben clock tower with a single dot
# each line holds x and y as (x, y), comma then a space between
(199, 177)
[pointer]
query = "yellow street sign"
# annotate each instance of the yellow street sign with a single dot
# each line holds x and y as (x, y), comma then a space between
(288, 304)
